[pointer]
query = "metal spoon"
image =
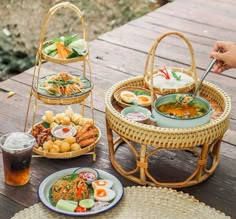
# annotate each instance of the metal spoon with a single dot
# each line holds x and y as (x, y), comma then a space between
(188, 98)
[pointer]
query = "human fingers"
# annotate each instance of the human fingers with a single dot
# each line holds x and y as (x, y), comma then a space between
(221, 45)
(219, 56)
(217, 66)
(222, 68)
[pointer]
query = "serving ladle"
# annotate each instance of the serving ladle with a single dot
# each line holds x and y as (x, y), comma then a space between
(188, 98)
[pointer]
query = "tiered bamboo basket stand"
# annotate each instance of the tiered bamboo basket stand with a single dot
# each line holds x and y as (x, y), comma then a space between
(204, 141)
(40, 58)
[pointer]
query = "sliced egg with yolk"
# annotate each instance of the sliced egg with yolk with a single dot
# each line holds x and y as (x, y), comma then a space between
(106, 183)
(104, 194)
(143, 100)
(128, 96)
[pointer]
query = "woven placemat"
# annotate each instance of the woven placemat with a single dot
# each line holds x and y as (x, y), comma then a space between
(141, 202)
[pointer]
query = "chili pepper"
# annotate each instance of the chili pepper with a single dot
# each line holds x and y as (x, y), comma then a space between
(165, 73)
(79, 190)
(80, 209)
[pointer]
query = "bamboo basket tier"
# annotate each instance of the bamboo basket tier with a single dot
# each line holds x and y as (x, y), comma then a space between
(69, 154)
(150, 70)
(77, 95)
(169, 138)
(42, 41)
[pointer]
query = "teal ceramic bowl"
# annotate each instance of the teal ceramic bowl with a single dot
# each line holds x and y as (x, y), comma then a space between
(136, 113)
(167, 121)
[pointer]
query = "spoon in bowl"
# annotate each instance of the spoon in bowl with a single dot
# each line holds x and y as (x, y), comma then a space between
(188, 98)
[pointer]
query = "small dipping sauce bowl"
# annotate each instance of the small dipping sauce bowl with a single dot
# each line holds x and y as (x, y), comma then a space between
(88, 174)
(136, 113)
(63, 131)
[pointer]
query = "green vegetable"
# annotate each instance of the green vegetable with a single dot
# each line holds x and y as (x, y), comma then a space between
(45, 125)
(53, 53)
(57, 40)
(69, 39)
(86, 203)
(80, 45)
(74, 54)
(177, 77)
(140, 92)
(71, 177)
(67, 205)
(49, 48)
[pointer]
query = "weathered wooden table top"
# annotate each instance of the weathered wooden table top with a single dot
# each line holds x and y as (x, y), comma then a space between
(121, 54)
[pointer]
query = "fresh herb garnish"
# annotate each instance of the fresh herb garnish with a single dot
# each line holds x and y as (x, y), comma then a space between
(177, 77)
(71, 177)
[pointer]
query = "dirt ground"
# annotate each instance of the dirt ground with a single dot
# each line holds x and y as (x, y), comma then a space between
(21, 20)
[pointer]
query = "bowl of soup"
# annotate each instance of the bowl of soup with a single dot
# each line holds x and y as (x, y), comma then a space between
(169, 113)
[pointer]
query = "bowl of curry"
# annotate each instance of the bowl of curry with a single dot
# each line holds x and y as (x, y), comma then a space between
(169, 113)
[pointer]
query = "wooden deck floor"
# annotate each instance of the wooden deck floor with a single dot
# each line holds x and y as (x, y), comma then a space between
(121, 54)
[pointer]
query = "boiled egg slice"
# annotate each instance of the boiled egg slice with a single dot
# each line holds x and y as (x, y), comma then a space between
(105, 183)
(128, 96)
(143, 100)
(104, 194)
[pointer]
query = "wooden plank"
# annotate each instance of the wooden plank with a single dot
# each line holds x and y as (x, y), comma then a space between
(171, 48)
(136, 60)
(8, 207)
(230, 137)
(222, 7)
(180, 24)
(193, 11)
(219, 190)
(42, 167)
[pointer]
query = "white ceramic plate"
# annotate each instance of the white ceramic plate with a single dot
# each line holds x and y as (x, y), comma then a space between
(47, 183)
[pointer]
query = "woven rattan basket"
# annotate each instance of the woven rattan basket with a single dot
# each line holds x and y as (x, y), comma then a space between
(150, 72)
(70, 154)
(62, 61)
(169, 137)
(122, 103)
(50, 13)
(61, 100)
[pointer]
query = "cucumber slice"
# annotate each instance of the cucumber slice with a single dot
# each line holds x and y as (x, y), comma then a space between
(67, 205)
(86, 203)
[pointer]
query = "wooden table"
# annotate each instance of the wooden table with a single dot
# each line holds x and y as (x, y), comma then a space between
(121, 54)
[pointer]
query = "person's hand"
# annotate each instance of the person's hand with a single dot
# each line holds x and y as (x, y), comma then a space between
(226, 58)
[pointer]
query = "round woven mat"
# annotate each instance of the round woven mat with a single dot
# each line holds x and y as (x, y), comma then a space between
(141, 202)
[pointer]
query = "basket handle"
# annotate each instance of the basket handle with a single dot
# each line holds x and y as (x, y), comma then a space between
(151, 55)
(51, 12)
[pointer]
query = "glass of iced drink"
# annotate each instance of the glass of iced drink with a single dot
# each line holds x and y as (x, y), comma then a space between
(17, 152)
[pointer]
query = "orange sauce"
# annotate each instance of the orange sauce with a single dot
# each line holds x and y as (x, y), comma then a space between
(181, 111)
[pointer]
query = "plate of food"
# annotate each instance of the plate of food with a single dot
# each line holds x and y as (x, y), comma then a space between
(170, 80)
(64, 135)
(133, 96)
(65, 49)
(66, 192)
(62, 86)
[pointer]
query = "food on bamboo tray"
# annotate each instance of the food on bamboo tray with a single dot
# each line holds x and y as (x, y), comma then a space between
(63, 85)
(132, 96)
(76, 132)
(73, 194)
(65, 47)
(168, 79)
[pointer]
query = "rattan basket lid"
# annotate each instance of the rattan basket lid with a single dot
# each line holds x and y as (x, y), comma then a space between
(142, 202)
